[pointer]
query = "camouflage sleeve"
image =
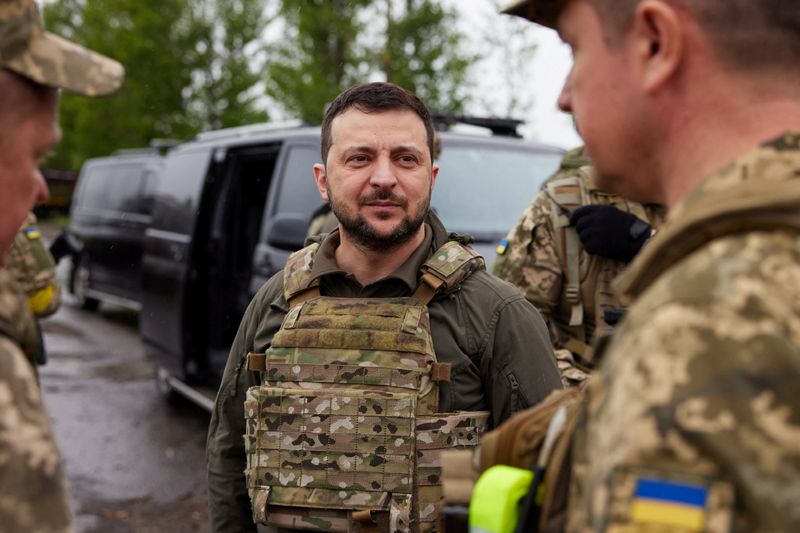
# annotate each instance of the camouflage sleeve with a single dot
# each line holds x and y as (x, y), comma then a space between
(33, 268)
(33, 491)
(699, 397)
(529, 259)
(228, 501)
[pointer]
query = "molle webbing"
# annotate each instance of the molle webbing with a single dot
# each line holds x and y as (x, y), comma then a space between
(344, 428)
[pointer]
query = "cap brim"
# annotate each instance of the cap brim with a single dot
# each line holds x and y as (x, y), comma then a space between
(544, 12)
(56, 62)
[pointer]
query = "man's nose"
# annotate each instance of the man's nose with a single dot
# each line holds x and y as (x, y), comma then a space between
(383, 173)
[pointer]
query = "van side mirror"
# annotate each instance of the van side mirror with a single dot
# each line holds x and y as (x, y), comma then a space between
(288, 232)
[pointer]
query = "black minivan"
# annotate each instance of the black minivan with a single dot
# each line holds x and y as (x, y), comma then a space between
(110, 212)
(232, 204)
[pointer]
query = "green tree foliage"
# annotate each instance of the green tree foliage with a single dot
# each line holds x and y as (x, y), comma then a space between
(424, 53)
(185, 70)
(317, 55)
(328, 45)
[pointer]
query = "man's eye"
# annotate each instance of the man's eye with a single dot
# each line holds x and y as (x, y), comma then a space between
(407, 159)
(357, 159)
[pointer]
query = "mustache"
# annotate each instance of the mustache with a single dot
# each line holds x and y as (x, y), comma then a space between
(383, 195)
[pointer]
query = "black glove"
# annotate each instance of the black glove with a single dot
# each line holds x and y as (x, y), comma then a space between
(608, 232)
(65, 244)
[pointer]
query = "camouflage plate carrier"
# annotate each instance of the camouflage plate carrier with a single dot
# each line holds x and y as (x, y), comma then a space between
(343, 434)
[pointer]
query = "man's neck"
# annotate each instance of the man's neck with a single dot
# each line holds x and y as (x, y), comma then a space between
(704, 143)
(369, 266)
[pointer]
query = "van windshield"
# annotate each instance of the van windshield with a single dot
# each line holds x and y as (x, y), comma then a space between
(483, 189)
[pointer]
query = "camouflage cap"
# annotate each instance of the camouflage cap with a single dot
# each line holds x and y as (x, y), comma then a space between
(28, 50)
(544, 12)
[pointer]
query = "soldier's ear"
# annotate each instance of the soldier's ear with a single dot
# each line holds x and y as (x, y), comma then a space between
(321, 177)
(434, 173)
(658, 35)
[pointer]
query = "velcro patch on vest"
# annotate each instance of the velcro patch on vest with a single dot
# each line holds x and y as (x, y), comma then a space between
(658, 499)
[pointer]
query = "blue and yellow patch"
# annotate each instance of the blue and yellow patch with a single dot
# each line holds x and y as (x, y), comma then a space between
(502, 248)
(669, 503)
(32, 232)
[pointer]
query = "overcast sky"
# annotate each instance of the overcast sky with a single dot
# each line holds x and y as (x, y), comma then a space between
(549, 67)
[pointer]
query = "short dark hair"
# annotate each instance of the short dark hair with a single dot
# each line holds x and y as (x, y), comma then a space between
(371, 98)
(746, 34)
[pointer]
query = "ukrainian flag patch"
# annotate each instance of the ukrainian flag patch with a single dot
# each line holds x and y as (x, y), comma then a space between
(32, 233)
(669, 503)
(502, 248)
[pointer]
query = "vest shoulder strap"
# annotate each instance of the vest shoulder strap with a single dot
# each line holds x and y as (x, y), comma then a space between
(567, 194)
(298, 285)
(446, 269)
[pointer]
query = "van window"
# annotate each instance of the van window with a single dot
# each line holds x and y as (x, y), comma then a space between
(124, 182)
(179, 189)
(481, 190)
(298, 191)
(93, 192)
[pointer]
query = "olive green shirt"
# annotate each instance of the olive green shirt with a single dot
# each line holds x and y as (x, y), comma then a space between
(496, 342)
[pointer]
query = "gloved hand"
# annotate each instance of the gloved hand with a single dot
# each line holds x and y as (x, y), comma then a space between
(608, 232)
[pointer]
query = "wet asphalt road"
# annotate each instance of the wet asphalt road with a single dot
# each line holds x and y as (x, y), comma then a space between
(134, 462)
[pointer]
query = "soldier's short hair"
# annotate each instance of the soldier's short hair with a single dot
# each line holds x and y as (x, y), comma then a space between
(371, 98)
(746, 34)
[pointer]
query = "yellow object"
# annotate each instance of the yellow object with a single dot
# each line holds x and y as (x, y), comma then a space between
(495, 499)
(666, 514)
(39, 301)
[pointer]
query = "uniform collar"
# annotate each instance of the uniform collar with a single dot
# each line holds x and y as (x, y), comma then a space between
(325, 260)
(756, 190)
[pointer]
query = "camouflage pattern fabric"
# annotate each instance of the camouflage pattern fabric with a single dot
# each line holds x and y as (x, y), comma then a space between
(33, 268)
(700, 386)
(324, 222)
(48, 59)
(531, 261)
(16, 320)
(33, 494)
(346, 416)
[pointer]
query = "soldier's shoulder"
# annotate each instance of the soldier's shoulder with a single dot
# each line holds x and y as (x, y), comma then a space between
(12, 302)
(732, 293)
(489, 289)
(271, 292)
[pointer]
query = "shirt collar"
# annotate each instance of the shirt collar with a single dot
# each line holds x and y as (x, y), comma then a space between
(325, 260)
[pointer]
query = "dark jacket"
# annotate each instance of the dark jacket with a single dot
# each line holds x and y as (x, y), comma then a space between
(496, 341)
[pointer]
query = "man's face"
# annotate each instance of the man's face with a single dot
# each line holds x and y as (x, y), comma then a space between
(25, 140)
(600, 93)
(378, 176)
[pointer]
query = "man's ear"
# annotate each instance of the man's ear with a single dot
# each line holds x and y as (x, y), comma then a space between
(658, 35)
(321, 177)
(434, 173)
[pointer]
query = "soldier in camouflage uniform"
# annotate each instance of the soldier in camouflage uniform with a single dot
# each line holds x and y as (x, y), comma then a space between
(693, 419)
(33, 63)
(544, 257)
(32, 266)
(375, 338)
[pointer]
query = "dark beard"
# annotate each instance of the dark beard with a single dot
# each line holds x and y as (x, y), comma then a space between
(363, 234)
